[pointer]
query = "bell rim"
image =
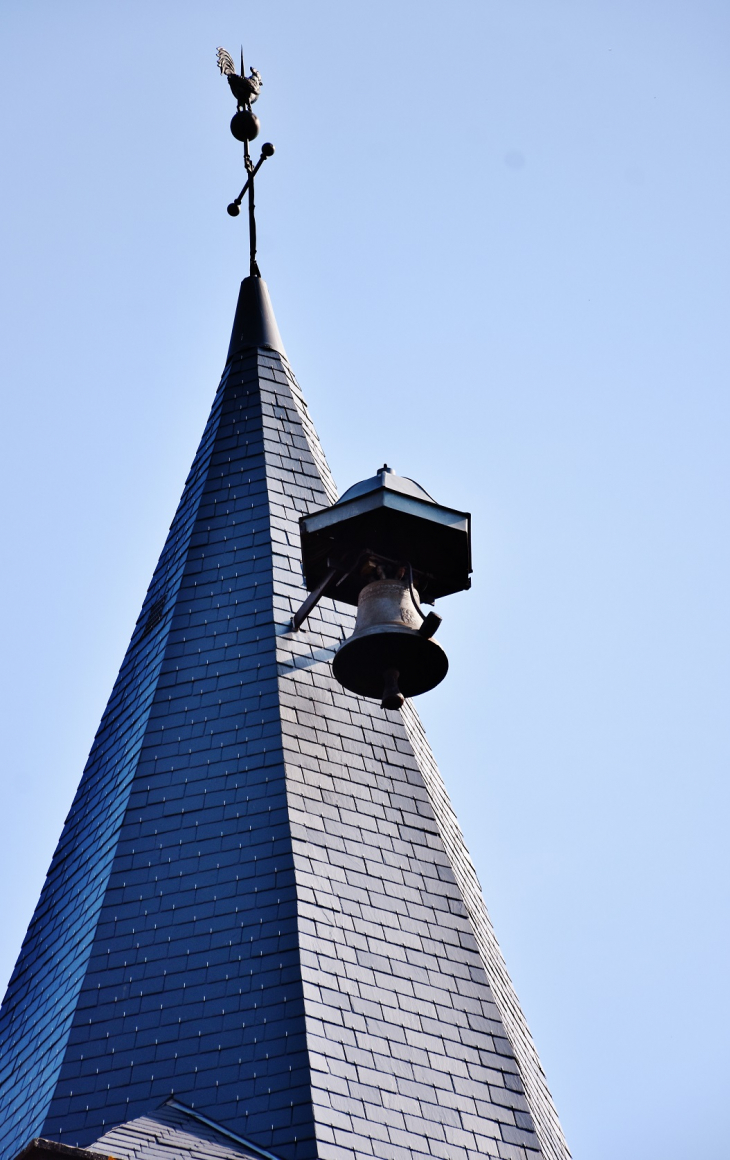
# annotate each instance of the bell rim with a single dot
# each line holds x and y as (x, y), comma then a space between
(364, 676)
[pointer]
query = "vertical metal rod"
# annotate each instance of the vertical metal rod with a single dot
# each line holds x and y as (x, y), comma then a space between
(253, 267)
(254, 270)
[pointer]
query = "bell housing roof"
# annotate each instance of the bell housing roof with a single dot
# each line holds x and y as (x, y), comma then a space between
(395, 518)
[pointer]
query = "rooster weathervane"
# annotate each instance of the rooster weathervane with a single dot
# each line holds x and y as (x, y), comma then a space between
(245, 127)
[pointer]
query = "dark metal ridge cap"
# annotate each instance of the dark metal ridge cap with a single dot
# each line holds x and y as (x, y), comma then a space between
(40, 1149)
(254, 324)
(173, 1103)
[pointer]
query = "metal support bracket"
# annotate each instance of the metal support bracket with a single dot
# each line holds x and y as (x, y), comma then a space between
(302, 613)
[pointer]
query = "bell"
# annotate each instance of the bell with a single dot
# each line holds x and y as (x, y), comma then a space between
(390, 655)
(381, 543)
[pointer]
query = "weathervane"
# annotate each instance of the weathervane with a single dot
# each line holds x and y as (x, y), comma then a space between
(245, 127)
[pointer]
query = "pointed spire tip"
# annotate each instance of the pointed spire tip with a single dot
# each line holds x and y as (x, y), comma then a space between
(254, 325)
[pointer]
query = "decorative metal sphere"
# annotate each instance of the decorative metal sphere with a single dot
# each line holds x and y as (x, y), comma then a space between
(268, 149)
(233, 209)
(245, 125)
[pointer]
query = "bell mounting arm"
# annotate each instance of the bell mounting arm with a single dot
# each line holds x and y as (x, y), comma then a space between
(245, 127)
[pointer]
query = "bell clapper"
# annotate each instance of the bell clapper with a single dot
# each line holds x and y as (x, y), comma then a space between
(392, 696)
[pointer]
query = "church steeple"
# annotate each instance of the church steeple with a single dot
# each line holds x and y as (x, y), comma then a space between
(261, 933)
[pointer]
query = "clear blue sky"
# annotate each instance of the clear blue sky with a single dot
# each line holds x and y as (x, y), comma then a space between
(496, 240)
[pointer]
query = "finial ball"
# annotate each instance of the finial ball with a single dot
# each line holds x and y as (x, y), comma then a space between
(268, 149)
(245, 125)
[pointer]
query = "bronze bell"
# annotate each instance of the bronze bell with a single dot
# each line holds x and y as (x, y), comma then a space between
(381, 544)
(389, 655)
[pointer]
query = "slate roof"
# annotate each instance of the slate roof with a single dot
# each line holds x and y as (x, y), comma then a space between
(174, 1132)
(261, 905)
